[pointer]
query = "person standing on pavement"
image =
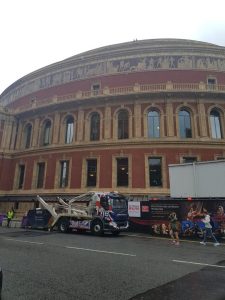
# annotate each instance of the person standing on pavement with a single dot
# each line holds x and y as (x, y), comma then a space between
(10, 215)
(174, 228)
(208, 229)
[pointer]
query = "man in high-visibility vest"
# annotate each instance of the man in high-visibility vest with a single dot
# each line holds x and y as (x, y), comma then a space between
(10, 215)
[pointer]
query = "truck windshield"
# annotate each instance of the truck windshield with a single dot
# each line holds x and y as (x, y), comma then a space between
(119, 203)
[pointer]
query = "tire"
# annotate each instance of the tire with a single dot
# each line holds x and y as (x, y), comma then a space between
(97, 227)
(63, 226)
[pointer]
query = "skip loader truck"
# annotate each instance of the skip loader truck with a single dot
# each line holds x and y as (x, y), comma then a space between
(97, 212)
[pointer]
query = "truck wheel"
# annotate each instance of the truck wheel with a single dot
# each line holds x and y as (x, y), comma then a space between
(97, 227)
(64, 226)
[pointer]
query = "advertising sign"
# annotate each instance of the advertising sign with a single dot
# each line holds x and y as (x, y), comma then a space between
(134, 209)
(189, 215)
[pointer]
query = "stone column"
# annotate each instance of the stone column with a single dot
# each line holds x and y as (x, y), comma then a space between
(55, 129)
(7, 133)
(107, 123)
(9, 129)
(36, 133)
(170, 120)
(202, 120)
(80, 125)
(19, 136)
(137, 120)
(13, 139)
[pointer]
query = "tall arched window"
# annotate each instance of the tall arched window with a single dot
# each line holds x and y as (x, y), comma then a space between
(27, 135)
(123, 132)
(215, 123)
(153, 124)
(185, 124)
(69, 130)
(46, 133)
(95, 127)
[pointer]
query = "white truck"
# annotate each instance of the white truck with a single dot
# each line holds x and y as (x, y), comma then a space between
(204, 179)
(94, 211)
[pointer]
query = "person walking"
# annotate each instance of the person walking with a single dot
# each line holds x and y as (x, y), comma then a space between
(10, 215)
(174, 228)
(208, 229)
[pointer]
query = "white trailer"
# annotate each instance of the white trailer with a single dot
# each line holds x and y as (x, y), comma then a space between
(198, 179)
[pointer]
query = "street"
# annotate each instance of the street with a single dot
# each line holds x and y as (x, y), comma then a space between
(48, 265)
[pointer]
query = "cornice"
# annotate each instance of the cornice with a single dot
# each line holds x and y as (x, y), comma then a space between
(130, 144)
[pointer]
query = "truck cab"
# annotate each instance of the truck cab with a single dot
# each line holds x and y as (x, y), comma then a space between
(112, 213)
(109, 213)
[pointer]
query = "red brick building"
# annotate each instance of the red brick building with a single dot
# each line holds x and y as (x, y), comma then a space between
(112, 118)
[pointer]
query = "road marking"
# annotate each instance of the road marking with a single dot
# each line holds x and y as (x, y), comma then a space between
(100, 251)
(196, 263)
(22, 241)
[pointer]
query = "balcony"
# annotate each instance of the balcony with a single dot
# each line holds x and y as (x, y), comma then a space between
(137, 89)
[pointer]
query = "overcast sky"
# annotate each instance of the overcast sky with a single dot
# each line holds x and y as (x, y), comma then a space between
(36, 33)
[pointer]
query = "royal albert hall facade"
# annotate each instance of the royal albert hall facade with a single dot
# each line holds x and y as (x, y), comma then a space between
(111, 119)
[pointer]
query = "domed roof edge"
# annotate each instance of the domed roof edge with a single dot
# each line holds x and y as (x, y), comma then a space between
(132, 47)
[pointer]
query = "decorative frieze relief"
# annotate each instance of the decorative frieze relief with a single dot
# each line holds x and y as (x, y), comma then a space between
(127, 65)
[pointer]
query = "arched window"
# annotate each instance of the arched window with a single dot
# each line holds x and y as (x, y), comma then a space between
(95, 127)
(153, 124)
(123, 132)
(185, 124)
(28, 131)
(215, 123)
(46, 133)
(69, 130)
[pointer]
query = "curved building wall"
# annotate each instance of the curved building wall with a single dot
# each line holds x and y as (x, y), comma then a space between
(113, 118)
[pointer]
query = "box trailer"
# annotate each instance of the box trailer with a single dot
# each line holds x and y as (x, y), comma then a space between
(193, 186)
(198, 179)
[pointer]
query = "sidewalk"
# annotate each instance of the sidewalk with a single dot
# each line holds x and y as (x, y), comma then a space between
(182, 239)
(15, 223)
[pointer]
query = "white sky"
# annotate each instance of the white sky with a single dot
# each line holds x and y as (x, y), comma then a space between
(36, 33)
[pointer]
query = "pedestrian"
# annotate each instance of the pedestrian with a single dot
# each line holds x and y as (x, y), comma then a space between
(208, 229)
(10, 215)
(174, 228)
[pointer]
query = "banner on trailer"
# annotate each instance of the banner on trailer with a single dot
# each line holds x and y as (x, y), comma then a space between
(189, 215)
(134, 209)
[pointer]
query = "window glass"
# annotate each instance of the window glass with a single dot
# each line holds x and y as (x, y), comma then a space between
(155, 171)
(16, 205)
(123, 125)
(95, 127)
(153, 124)
(64, 173)
(189, 159)
(185, 124)
(96, 88)
(122, 171)
(69, 130)
(46, 133)
(28, 131)
(21, 176)
(41, 174)
(215, 124)
(119, 203)
(211, 83)
(91, 172)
